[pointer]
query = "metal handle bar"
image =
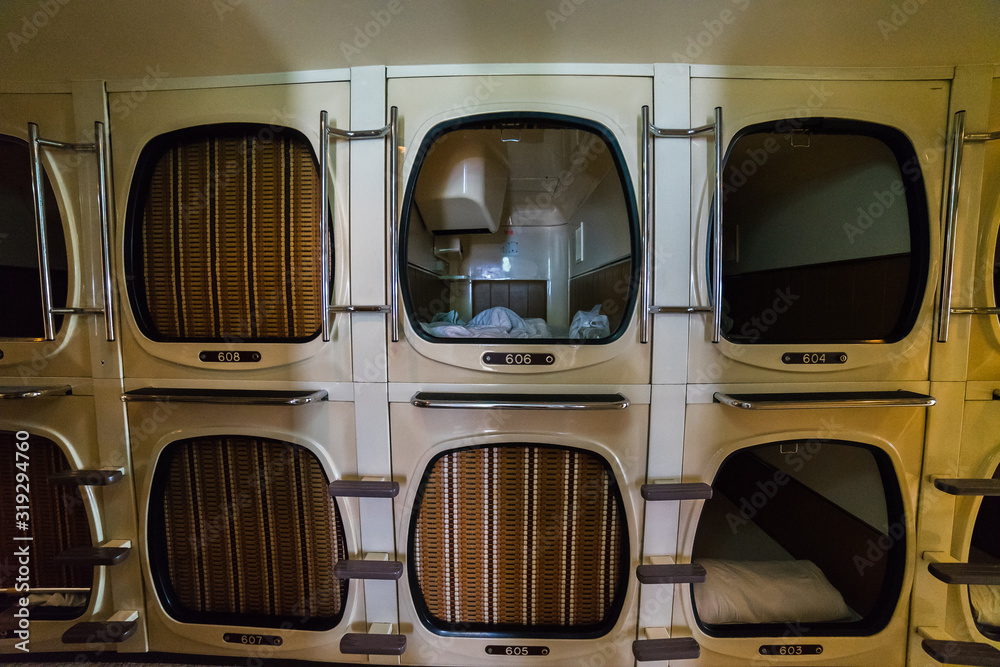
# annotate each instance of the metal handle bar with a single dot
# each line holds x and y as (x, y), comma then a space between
(650, 131)
(387, 132)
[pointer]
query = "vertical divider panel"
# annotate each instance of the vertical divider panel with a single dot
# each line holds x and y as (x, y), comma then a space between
(671, 220)
(368, 219)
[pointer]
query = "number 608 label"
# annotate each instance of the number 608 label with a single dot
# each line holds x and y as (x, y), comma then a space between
(229, 356)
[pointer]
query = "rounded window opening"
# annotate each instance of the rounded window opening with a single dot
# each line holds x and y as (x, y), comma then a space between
(825, 233)
(805, 533)
(57, 523)
(20, 286)
(519, 226)
(242, 531)
(985, 550)
(223, 236)
(519, 540)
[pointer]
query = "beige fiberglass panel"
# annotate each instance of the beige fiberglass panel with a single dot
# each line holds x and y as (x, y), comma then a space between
(238, 167)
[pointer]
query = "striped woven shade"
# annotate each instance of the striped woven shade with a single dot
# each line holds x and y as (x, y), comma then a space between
(229, 243)
(248, 533)
(519, 538)
(57, 519)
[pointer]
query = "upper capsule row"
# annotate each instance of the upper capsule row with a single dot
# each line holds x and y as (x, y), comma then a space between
(509, 229)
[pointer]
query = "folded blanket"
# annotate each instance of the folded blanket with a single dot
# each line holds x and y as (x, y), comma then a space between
(497, 322)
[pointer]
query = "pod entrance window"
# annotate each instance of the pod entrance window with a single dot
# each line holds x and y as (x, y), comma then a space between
(519, 226)
(57, 523)
(985, 550)
(519, 540)
(20, 291)
(223, 238)
(243, 532)
(825, 233)
(768, 565)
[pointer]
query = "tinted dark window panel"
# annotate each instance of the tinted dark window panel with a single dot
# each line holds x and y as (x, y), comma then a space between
(519, 540)
(58, 522)
(767, 564)
(20, 293)
(223, 237)
(519, 226)
(985, 549)
(825, 232)
(243, 532)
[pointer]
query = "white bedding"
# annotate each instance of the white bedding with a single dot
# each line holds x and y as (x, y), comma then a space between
(767, 592)
(986, 604)
(500, 322)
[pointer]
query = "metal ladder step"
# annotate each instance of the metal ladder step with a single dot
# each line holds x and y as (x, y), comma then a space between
(100, 632)
(93, 556)
(363, 489)
(673, 573)
(961, 653)
(680, 648)
(368, 569)
(362, 643)
(103, 477)
(969, 486)
(676, 491)
(966, 573)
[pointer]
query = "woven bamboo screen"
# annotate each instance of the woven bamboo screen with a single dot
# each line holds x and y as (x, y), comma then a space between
(519, 537)
(57, 520)
(249, 530)
(230, 236)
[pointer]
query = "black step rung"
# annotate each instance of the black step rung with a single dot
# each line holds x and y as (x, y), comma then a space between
(966, 573)
(100, 632)
(969, 486)
(678, 491)
(87, 477)
(961, 653)
(673, 573)
(92, 556)
(681, 648)
(359, 643)
(344, 488)
(368, 569)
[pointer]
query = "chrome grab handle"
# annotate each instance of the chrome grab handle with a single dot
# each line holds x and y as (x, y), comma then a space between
(103, 198)
(393, 166)
(649, 132)
(825, 400)
(427, 399)
(10, 392)
(225, 396)
(951, 213)
(645, 224)
(358, 309)
(325, 132)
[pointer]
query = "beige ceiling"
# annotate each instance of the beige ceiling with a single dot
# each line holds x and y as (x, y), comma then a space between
(122, 39)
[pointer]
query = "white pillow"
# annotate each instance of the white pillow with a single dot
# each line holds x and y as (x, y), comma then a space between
(986, 604)
(778, 591)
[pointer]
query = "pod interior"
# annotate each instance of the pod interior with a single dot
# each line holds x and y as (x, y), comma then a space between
(20, 290)
(804, 534)
(825, 233)
(519, 225)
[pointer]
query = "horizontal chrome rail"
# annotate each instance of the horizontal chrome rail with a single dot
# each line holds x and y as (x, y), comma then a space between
(826, 400)
(520, 401)
(225, 396)
(13, 392)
